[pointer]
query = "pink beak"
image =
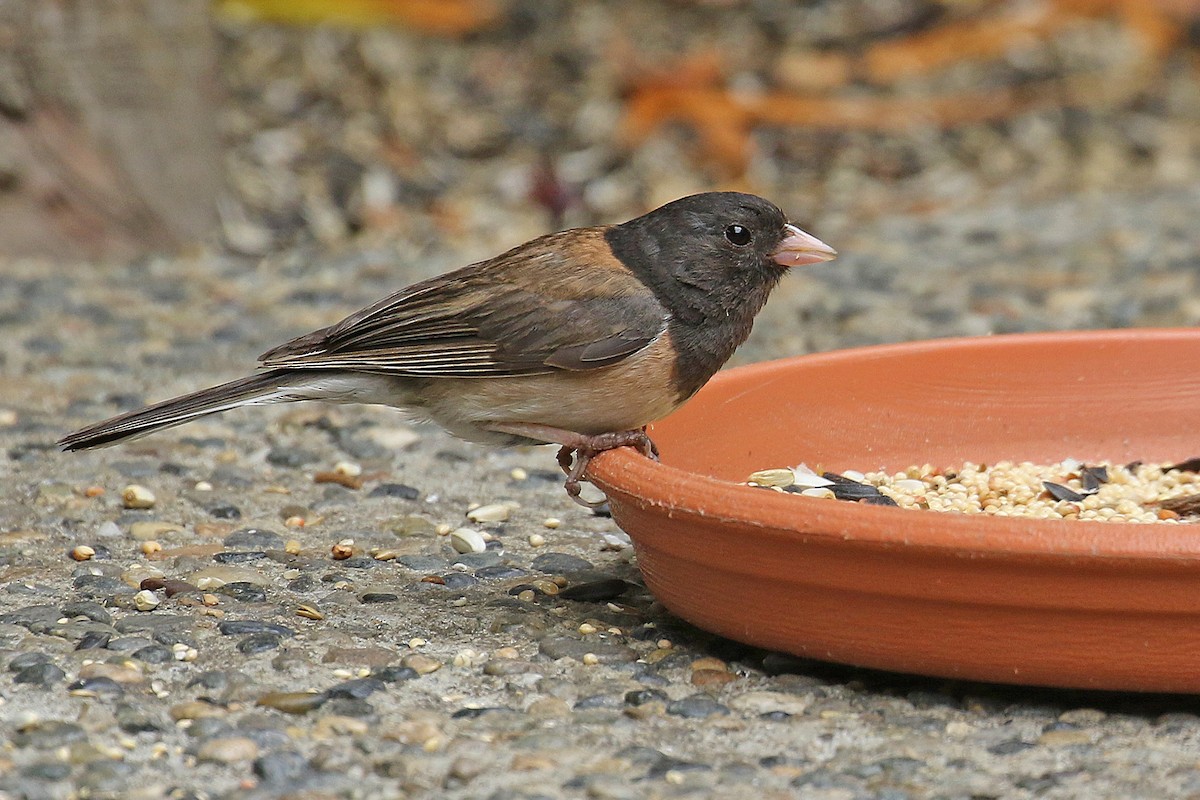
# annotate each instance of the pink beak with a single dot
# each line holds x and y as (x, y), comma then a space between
(799, 248)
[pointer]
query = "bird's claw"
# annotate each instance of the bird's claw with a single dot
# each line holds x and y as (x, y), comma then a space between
(574, 459)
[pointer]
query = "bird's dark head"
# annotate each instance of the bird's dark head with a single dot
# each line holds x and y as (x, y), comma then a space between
(714, 252)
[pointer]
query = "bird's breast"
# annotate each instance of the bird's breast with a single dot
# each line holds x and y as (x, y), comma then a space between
(623, 396)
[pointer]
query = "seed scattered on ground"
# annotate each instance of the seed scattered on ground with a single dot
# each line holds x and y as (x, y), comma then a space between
(467, 540)
(442, 528)
(1070, 489)
(93, 491)
(493, 512)
(536, 540)
(83, 552)
(151, 547)
(137, 496)
(551, 522)
(308, 611)
(342, 550)
(340, 478)
(518, 474)
(146, 600)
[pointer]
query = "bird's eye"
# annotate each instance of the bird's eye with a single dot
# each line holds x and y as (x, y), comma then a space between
(738, 235)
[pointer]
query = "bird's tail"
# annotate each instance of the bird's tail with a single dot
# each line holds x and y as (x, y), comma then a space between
(265, 387)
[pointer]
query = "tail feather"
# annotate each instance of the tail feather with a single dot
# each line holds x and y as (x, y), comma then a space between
(264, 387)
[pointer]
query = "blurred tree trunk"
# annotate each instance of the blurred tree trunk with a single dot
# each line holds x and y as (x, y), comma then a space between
(108, 138)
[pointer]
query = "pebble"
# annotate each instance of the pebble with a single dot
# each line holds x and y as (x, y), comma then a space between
(697, 706)
(399, 491)
(147, 530)
(357, 689)
(94, 640)
(421, 663)
(488, 559)
(137, 496)
(561, 564)
(251, 539)
(217, 576)
(146, 600)
(765, 702)
(598, 591)
(467, 540)
(39, 674)
(604, 652)
(196, 709)
(378, 597)
(49, 734)
(240, 627)
(124, 674)
(292, 702)
(230, 750)
(259, 643)
(501, 667)
(243, 592)
(412, 525)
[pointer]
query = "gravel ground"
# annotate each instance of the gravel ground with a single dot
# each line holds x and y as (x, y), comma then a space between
(262, 666)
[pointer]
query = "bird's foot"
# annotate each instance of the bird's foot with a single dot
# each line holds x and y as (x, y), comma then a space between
(578, 449)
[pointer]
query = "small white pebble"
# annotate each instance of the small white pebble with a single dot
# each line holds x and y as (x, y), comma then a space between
(467, 540)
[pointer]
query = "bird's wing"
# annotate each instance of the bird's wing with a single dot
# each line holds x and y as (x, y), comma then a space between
(538, 308)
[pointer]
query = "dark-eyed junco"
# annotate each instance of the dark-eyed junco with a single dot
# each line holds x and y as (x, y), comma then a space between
(579, 338)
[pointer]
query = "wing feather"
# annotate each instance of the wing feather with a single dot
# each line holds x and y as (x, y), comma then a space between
(538, 308)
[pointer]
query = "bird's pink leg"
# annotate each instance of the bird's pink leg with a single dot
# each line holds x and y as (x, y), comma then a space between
(579, 448)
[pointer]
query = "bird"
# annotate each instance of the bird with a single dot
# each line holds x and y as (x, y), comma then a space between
(579, 338)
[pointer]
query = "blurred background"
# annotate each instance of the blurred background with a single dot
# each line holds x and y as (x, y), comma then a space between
(130, 125)
(447, 130)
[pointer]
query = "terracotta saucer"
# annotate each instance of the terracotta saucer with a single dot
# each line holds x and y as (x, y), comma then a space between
(1054, 603)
